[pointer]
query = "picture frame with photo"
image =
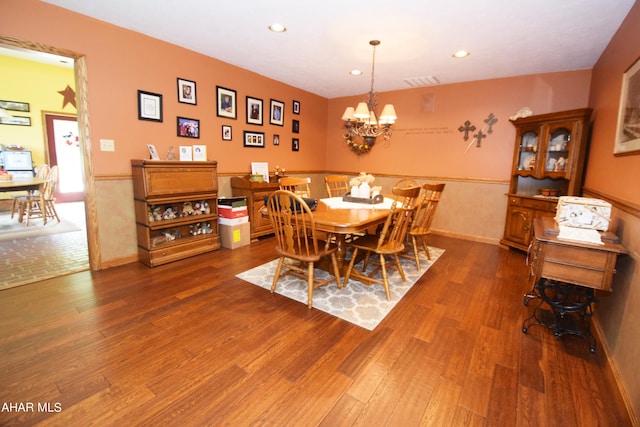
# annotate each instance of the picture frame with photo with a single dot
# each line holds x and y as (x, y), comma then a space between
(295, 126)
(16, 121)
(295, 144)
(276, 116)
(153, 153)
(15, 106)
(628, 131)
(188, 128)
(226, 133)
(186, 153)
(226, 101)
(276, 139)
(253, 139)
(149, 106)
(260, 168)
(186, 91)
(296, 107)
(199, 153)
(254, 110)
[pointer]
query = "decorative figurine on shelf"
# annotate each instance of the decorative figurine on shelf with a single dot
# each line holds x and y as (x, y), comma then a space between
(206, 228)
(171, 155)
(202, 207)
(561, 164)
(154, 213)
(187, 209)
(170, 213)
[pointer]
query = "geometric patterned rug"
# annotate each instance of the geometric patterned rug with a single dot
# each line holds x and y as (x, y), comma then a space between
(357, 303)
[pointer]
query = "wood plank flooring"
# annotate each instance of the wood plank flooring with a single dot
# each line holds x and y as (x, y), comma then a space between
(189, 344)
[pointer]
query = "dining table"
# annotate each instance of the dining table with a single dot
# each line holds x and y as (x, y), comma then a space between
(340, 219)
(24, 184)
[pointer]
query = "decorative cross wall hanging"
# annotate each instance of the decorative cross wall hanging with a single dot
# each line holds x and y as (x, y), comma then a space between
(468, 128)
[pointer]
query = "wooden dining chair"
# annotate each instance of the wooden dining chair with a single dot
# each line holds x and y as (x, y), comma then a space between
(18, 201)
(407, 182)
(297, 185)
(297, 239)
(337, 185)
(421, 221)
(388, 242)
(34, 207)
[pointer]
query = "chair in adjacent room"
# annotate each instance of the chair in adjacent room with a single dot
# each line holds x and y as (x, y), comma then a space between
(389, 241)
(18, 201)
(297, 240)
(407, 182)
(297, 185)
(337, 185)
(34, 207)
(421, 222)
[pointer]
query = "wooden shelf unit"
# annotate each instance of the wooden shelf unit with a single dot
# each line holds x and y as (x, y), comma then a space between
(255, 192)
(550, 152)
(168, 184)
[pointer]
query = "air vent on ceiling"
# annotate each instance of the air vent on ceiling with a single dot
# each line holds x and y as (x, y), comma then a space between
(422, 81)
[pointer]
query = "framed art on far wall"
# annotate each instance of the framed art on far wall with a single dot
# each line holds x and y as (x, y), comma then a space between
(276, 117)
(296, 107)
(628, 131)
(188, 128)
(253, 139)
(295, 144)
(15, 106)
(149, 106)
(226, 102)
(226, 133)
(186, 91)
(254, 111)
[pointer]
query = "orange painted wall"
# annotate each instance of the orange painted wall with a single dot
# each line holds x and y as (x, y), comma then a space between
(121, 62)
(616, 176)
(426, 140)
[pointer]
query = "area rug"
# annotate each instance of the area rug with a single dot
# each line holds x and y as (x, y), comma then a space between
(357, 303)
(11, 229)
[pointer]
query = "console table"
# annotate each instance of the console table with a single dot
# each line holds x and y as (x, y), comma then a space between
(564, 276)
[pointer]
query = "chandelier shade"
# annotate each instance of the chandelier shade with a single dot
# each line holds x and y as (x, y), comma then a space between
(362, 124)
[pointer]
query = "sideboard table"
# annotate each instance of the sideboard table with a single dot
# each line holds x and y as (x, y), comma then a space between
(565, 275)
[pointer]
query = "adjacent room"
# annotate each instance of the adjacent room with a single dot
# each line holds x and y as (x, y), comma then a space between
(403, 214)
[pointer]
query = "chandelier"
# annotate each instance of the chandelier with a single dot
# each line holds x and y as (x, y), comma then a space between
(363, 125)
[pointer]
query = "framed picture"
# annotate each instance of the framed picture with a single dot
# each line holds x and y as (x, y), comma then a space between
(276, 139)
(149, 106)
(277, 113)
(260, 168)
(15, 106)
(186, 153)
(628, 131)
(153, 153)
(188, 128)
(253, 139)
(295, 126)
(254, 111)
(296, 107)
(226, 133)
(295, 144)
(226, 102)
(186, 91)
(16, 120)
(199, 153)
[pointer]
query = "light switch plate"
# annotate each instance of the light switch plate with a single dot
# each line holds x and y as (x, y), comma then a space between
(107, 145)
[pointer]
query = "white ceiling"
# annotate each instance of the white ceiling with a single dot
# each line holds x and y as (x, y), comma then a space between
(326, 40)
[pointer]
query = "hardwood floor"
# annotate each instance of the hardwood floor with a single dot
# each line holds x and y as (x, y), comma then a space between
(190, 344)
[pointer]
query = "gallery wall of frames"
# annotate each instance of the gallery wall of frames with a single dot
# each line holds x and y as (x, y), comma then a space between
(258, 114)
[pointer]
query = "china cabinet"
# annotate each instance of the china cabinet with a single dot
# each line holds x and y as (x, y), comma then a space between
(176, 207)
(548, 162)
(254, 192)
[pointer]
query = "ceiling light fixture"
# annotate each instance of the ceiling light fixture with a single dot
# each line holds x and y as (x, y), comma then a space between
(277, 28)
(363, 125)
(461, 54)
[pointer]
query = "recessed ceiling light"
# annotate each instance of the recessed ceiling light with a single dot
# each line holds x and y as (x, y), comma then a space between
(461, 54)
(355, 72)
(277, 28)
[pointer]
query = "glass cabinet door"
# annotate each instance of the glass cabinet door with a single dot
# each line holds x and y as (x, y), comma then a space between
(527, 151)
(558, 150)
